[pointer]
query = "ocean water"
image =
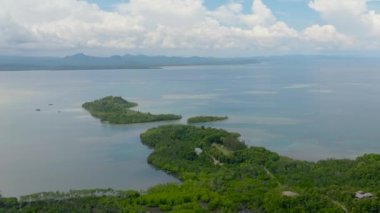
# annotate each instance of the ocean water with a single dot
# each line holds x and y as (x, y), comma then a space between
(305, 108)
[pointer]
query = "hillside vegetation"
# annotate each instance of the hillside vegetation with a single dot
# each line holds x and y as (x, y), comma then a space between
(219, 173)
(204, 119)
(116, 110)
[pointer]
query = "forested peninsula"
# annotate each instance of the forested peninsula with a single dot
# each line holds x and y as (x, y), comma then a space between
(220, 173)
(116, 110)
(205, 119)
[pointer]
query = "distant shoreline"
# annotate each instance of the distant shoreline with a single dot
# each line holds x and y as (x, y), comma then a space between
(84, 62)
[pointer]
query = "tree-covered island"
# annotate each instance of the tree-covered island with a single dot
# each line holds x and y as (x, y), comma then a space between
(220, 173)
(116, 110)
(205, 119)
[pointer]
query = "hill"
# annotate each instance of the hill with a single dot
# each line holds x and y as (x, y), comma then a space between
(85, 62)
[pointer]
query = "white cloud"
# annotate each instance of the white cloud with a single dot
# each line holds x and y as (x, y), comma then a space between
(261, 15)
(371, 20)
(351, 16)
(11, 32)
(164, 12)
(327, 37)
(166, 26)
(228, 15)
(334, 8)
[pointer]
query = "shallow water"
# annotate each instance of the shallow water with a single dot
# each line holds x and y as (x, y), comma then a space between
(308, 109)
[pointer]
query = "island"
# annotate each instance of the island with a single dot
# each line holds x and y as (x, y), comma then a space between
(205, 119)
(116, 110)
(220, 173)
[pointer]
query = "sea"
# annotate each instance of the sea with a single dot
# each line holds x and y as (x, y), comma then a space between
(306, 108)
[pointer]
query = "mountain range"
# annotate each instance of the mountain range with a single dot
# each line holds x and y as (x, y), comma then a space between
(82, 62)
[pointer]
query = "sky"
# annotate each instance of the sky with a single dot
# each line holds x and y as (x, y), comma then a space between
(189, 27)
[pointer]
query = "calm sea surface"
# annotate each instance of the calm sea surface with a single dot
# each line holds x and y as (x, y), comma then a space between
(307, 109)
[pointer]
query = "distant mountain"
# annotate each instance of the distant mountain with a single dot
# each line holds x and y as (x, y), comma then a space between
(81, 61)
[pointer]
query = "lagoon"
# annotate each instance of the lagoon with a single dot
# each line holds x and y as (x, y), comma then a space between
(305, 108)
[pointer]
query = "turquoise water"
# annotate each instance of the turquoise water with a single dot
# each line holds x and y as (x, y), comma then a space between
(308, 109)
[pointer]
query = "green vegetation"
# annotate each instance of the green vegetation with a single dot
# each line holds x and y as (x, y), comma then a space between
(255, 179)
(227, 176)
(76, 201)
(203, 119)
(116, 110)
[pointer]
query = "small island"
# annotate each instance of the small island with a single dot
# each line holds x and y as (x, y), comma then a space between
(205, 119)
(116, 110)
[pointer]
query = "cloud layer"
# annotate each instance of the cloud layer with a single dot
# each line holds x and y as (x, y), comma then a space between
(183, 27)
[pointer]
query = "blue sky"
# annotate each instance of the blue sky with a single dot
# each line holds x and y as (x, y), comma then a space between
(294, 12)
(190, 27)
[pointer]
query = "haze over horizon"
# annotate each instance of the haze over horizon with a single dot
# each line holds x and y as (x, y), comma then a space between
(227, 28)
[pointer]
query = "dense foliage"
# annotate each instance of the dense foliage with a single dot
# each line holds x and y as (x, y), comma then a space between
(76, 201)
(204, 119)
(116, 110)
(220, 173)
(255, 179)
